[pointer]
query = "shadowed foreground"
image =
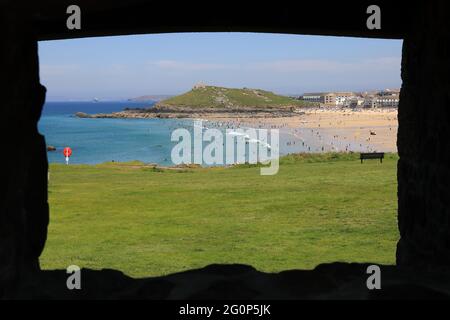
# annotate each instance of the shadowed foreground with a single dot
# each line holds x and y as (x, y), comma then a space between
(326, 281)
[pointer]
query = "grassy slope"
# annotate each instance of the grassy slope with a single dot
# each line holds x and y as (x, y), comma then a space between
(317, 209)
(224, 97)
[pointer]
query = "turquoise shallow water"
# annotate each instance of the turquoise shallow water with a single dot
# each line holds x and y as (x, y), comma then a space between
(148, 140)
(100, 140)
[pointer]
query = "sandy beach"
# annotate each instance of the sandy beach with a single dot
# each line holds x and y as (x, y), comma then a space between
(352, 130)
(330, 129)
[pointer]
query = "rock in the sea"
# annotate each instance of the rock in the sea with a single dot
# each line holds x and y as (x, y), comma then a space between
(82, 115)
(51, 148)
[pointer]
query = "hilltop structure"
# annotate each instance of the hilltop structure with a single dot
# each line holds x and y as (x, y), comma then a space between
(199, 85)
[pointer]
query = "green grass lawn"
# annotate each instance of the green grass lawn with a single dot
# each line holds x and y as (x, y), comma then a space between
(318, 208)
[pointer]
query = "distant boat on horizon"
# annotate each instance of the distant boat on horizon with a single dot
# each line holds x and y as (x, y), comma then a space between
(96, 100)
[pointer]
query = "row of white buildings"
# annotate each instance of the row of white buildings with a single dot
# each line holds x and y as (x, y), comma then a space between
(376, 99)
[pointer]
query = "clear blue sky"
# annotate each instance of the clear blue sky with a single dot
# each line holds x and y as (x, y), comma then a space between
(130, 66)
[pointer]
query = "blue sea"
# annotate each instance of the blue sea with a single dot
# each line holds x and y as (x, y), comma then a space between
(148, 140)
(101, 140)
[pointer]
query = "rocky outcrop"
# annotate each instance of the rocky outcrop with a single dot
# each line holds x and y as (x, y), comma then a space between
(194, 113)
(235, 109)
(121, 114)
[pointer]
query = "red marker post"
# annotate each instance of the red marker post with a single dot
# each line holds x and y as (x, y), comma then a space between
(67, 153)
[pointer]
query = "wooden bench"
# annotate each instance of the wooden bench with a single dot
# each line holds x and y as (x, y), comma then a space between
(372, 155)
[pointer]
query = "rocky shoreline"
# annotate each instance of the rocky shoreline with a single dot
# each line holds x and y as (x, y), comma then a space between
(186, 112)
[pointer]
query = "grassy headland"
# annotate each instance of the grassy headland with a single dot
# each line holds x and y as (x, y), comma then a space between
(207, 100)
(146, 221)
(211, 97)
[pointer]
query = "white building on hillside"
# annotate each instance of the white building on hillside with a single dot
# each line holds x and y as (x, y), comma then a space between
(383, 101)
(341, 97)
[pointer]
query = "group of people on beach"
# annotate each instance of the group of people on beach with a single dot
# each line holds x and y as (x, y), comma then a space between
(294, 139)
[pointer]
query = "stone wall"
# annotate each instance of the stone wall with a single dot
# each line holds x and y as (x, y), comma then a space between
(424, 140)
(423, 144)
(23, 169)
